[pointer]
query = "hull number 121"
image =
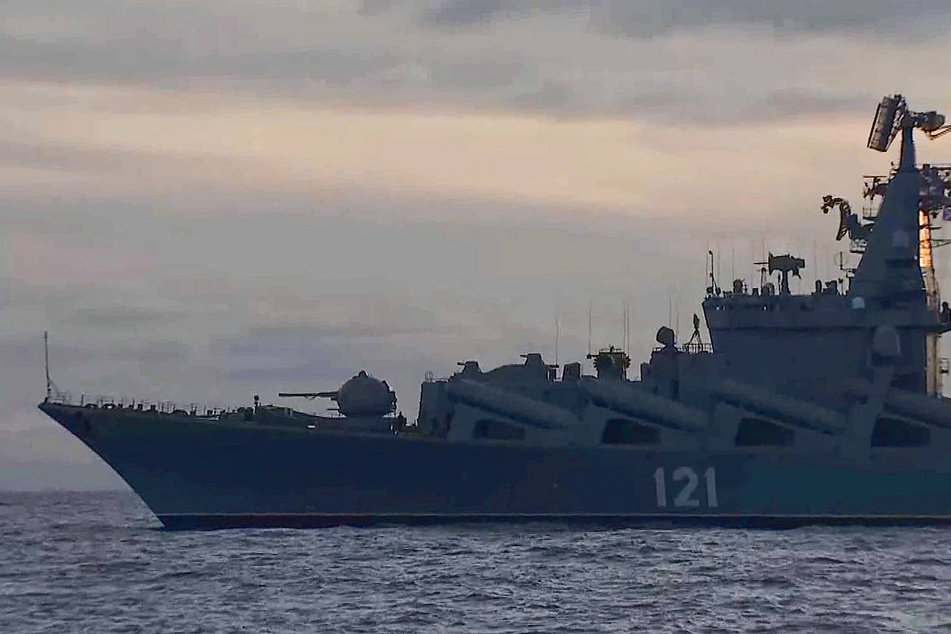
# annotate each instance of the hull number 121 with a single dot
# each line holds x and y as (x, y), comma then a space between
(684, 484)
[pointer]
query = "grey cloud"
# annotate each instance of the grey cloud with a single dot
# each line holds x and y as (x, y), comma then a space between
(849, 16)
(541, 56)
(374, 317)
(87, 366)
(678, 101)
(375, 7)
(300, 358)
(121, 318)
(788, 102)
(169, 63)
(477, 74)
(552, 95)
(467, 12)
(691, 105)
(58, 157)
(28, 349)
(649, 18)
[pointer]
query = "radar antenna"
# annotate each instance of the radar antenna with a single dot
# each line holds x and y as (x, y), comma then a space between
(893, 115)
(696, 340)
(784, 265)
(848, 221)
(874, 186)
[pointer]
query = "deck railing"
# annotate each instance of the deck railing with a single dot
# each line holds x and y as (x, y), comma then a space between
(162, 407)
(143, 405)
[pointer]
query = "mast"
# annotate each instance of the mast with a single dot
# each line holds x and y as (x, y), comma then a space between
(589, 327)
(890, 269)
(897, 266)
(46, 362)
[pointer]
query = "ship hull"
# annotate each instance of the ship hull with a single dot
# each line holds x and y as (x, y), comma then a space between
(201, 474)
(634, 520)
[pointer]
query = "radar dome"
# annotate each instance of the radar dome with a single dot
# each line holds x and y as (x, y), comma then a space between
(364, 395)
(666, 337)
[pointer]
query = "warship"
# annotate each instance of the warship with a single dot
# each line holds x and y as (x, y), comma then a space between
(822, 407)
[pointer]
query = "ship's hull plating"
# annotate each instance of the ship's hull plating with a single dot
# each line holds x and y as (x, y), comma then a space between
(195, 474)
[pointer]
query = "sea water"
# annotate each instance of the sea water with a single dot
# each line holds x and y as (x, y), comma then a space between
(100, 562)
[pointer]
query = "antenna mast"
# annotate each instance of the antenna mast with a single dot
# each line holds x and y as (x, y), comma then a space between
(51, 389)
(626, 332)
(627, 327)
(589, 327)
(46, 362)
(713, 289)
(677, 314)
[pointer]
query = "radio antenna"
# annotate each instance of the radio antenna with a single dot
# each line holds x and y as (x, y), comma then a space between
(51, 388)
(589, 327)
(46, 362)
(627, 327)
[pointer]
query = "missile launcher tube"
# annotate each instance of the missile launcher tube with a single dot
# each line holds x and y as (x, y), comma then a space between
(617, 396)
(522, 409)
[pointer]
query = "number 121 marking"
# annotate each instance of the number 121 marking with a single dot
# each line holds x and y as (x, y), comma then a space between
(686, 497)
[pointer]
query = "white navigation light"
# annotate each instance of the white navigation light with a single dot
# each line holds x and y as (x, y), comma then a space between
(883, 127)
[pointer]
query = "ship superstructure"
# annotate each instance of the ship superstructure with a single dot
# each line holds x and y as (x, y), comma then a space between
(818, 407)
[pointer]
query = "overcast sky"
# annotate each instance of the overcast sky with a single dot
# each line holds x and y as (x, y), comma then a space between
(209, 199)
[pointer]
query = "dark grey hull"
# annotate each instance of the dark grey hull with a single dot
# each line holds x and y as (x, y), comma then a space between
(652, 521)
(195, 474)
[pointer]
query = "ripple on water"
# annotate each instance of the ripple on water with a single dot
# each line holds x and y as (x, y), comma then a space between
(96, 562)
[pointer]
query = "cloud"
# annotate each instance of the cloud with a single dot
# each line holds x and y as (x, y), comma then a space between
(185, 154)
(651, 18)
(467, 12)
(375, 7)
(713, 62)
(57, 158)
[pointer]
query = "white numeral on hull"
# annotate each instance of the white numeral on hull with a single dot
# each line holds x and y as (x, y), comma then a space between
(686, 497)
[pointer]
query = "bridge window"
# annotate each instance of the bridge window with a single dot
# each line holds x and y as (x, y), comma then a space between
(621, 431)
(893, 432)
(497, 430)
(756, 432)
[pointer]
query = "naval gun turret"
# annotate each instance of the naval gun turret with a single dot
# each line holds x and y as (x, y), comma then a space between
(361, 396)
